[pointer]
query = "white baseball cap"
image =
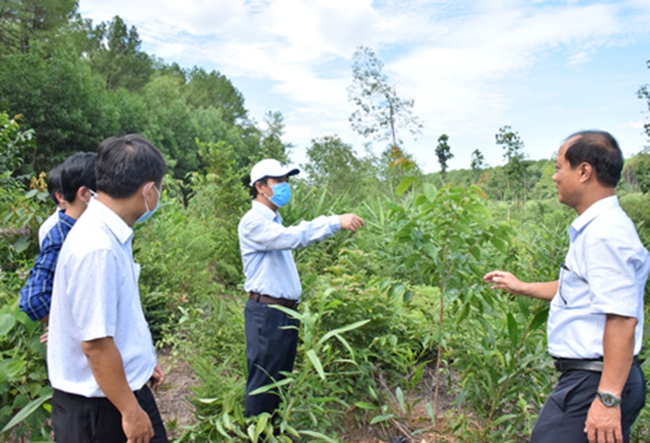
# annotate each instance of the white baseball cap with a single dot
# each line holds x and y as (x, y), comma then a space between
(270, 168)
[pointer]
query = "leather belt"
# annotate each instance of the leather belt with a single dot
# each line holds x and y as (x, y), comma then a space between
(570, 364)
(268, 300)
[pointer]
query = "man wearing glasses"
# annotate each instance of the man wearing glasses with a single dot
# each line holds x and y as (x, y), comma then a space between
(595, 324)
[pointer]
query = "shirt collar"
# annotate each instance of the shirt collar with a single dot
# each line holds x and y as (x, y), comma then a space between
(593, 211)
(266, 212)
(66, 219)
(113, 222)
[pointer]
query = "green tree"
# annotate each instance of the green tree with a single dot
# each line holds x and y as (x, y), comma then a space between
(515, 167)
(380, 112)
(644, 93)
(334, 164)
(14, 144)
(271, 144)
(23, 22)
(61, 99)
(478, 164)
(118, 57)
(168, 123)
(214, 89)
(640, 166)
(443, 152)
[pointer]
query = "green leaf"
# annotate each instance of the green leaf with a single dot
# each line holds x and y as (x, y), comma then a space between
(366, 406)
(316, 362)
(318, 435)
(26, 412)
(408, 296)
(421, 199)
(380, 418)
(399, 394)
(404, 185)
(342, 329)
(397, 290)
(429, 409)
(261, 424)
(271, 386)
(21, 244)
(539, 319)
(10, 368)
(7, 321)
(499, 244)
(476, 252)
(513, 331)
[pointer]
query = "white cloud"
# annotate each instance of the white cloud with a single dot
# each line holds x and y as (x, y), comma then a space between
(465, 62)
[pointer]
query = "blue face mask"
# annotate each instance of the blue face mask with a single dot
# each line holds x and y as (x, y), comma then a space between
(148, 213)
(281, 194)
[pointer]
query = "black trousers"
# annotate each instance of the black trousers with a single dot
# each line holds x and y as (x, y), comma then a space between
(563, 417)
(271, 343)
(78, 419)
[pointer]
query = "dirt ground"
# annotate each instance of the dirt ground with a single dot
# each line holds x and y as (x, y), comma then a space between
(177, 411)
(172, 398)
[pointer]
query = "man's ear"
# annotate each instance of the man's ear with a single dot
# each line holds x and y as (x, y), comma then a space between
(84, 194)
(586, 172)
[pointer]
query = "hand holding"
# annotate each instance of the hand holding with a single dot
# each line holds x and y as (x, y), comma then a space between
(351, 222)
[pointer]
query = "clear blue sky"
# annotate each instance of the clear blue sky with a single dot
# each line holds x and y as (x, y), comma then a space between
(546, 68)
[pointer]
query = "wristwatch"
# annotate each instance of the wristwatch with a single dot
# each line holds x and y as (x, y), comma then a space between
(608, 399)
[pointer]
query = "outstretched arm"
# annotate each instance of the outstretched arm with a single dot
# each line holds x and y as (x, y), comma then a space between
(351, 222)
(506, 280)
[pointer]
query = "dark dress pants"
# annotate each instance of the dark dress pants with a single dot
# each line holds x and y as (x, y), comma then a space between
(563, 417)
(78, 419)
(271, 343)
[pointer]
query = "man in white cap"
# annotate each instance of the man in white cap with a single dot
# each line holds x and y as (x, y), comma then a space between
(272, 278)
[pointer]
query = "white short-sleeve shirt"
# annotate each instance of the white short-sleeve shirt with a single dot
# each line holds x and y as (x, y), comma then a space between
(47, 226)
(605, 272)
(96, 295)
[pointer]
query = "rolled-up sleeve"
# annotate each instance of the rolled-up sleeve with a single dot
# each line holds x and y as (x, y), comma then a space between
(612, 275)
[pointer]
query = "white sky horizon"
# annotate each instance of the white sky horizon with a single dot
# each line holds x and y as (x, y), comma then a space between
(545, 68)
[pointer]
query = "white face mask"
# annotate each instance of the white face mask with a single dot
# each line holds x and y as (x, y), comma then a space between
(148, 213)
(93, 194)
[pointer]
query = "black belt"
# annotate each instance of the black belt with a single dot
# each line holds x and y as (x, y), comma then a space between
(268, 300)
(593, 365)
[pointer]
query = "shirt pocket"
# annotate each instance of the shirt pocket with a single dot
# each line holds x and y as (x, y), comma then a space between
(573, 290)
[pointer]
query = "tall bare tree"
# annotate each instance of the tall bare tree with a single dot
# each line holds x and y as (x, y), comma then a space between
(380, 112)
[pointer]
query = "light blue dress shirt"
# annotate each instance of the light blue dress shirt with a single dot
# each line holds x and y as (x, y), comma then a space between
(605, 272)
(266, 249)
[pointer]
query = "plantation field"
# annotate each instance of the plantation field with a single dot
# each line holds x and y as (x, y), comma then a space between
(400, 337)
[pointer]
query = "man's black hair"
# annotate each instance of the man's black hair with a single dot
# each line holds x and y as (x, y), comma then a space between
(54, 183)
(254, 192)
(78, 171)
(127, 162)
(600, 149)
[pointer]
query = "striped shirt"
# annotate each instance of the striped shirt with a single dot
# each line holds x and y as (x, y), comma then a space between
(36, 296)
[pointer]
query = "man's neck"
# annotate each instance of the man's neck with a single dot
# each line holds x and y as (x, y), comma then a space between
(261, 198)
(593, 196)
(75, 209)
(120, 206)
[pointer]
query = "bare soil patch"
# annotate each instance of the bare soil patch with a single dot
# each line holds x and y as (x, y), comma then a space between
(173, 396)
